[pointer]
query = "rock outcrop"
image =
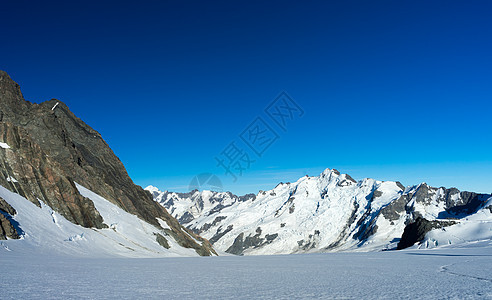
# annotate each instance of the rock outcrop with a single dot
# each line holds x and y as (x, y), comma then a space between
(6, 208)
(7, 228)
(48, 149)
(416, 231)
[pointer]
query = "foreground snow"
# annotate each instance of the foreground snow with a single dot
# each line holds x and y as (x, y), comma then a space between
(444, 273)
(44, 231)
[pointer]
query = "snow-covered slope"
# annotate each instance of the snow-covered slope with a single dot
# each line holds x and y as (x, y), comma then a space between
(45, 149)
(475, 227)
(44, 231)
(455, 272)
(330, 212)
(188, 206)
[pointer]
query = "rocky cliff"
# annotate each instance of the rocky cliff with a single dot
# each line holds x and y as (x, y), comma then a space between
(47, 149)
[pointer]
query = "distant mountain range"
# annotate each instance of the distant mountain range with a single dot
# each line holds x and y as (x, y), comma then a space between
(332, 212)
(63, 190)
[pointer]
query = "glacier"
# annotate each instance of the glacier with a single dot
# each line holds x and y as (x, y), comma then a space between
(43, 231)
(451, 272)
(329, 212)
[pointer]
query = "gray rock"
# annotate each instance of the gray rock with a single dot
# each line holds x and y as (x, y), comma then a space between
(393, 210)
(237, 246)
(240, 243)
(186, 218)
(5, 207)
(416, 231)
(7, 229)
(162, 240)
(220, 234)
(51, 149)
(207, 226)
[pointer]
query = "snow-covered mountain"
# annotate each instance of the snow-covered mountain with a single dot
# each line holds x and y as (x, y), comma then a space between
(330, 212)
(62, 189)
(44, 231)
(61, 184)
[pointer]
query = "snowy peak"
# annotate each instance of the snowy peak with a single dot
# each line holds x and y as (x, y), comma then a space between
(187, 206)
(329, 212)
(152, 189)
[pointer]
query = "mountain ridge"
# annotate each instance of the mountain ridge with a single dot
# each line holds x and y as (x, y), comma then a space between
(50, 149)
(329, 212)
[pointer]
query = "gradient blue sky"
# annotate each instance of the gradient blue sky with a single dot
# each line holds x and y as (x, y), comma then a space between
(390, 90)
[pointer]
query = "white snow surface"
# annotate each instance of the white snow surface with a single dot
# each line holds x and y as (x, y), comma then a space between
(45, 231)
(475, 227)
(56, 259)
(4, 145)
(328, 212)
(457, 272)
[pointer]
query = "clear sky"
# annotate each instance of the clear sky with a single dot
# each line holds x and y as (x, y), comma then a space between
(390, 90)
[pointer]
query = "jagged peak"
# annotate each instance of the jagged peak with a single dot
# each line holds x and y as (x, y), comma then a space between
(4, 74)
(152, 188)
(60, 149)
(400, 185)
(11, 98)
(329, 171)
(6, 79)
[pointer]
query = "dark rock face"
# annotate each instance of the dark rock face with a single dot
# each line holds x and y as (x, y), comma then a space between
(162, 241)
(457, 204)
(394, 209)
(186, 218)
(310, 243)
(219, 207)
(247, 197)
(238, 246)
(6, 208)
(240, 243)
(367, 227)
(220, 233)
(416, 231)
(401, 186)
(468, 203)
(51, 149)
(348, 180)
(34, 175)
(207, 226)
(7, 229)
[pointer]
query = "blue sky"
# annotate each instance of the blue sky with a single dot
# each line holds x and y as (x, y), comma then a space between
(389, 90)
